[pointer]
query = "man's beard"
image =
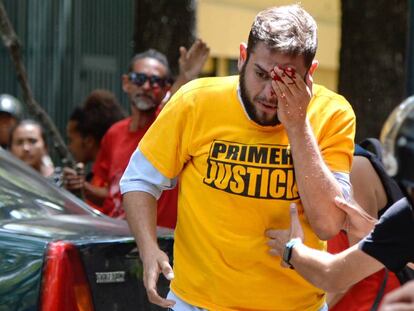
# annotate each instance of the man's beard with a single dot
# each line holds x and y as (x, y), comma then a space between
(144, 103)
(249, 105)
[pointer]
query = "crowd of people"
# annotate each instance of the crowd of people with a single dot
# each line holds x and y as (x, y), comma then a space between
(245, 168)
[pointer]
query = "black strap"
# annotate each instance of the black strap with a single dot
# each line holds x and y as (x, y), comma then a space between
(405, 275)
(374, 145)
(381, 292)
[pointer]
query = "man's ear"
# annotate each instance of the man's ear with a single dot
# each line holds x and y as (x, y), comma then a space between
(125, 82)
(313, 67)
(242, 55)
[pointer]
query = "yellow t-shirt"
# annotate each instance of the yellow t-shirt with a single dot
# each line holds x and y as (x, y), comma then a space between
(236, 181)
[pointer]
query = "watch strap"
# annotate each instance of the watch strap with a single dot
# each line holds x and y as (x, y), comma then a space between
(287, 253)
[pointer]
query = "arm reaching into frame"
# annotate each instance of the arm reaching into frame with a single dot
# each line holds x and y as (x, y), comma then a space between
(330, 272)
(191, 63)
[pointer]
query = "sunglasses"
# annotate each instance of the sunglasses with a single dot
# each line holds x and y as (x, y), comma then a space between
(140, 79)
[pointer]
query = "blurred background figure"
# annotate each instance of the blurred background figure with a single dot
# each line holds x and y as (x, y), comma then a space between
(10, 114)
(28, 143)
(87, 125)
(89, 122)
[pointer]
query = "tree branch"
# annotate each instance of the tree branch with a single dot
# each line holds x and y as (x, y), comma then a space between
(12, 43)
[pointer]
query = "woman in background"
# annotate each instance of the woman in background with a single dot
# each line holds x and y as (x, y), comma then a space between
(28, 143)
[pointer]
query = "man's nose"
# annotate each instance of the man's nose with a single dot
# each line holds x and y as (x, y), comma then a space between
(27, 146)
(270, 93)
(147, 85)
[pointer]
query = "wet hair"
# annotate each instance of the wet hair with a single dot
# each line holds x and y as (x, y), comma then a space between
(27, 122)
(97, 113)
(285, 29)
(151, 53)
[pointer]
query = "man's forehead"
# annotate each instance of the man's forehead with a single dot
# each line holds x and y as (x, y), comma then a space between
(149, 64)
(268, 59)
(29, 129)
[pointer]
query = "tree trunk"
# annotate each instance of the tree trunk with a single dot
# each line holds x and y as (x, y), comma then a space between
(373, 60)
(164, 25)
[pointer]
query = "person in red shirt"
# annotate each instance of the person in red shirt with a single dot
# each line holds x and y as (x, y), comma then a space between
(147, 85)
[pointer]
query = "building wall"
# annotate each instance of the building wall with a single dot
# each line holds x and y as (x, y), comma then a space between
(223, 24)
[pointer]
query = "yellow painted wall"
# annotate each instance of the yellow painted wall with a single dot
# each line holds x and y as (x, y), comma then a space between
(327, 77)
(223, 24)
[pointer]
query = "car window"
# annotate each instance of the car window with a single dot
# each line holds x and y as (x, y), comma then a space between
(24, 194)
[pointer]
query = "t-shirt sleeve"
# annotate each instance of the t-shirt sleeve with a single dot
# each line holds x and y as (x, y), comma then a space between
(337, 145)
(391, 242)
(166, 143)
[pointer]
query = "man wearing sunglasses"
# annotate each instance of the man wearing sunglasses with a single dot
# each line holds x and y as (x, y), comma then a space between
(147, 84)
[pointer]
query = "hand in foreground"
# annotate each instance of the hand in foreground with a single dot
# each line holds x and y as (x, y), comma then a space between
(358, 222)
(73, 180)
(154, 264)
(278, 238)
(401, 299)
(191, 62)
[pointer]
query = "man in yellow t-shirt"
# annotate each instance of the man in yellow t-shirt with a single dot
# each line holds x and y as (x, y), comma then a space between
(244, 148)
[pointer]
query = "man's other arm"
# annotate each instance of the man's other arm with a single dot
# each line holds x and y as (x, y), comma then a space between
(141, 186)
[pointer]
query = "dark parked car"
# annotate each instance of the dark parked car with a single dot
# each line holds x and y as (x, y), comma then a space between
(56, 253)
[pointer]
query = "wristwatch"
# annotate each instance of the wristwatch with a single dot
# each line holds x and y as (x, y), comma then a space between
(287, 253)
